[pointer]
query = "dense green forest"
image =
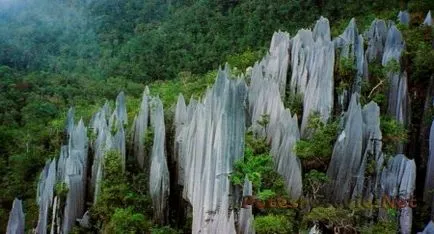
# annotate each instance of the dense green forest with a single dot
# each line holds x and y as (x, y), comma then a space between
(55, 54)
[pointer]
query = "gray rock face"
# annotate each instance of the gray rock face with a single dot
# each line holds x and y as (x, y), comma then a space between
(398, 181)
(159, 172)
(394, 46)
(246, 225)
(45, 194)
(398, 90)
(429, 179)
(140, 126)
(209, 145)
(376, 36)
(429, 229)
(350, 44)
(312, 71)
(282, 130)
(428, 19)
(278, 60)
(368, 178)
(345, 163)
(404, 17)
(16, 222)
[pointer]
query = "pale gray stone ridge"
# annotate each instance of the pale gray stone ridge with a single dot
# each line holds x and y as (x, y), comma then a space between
(312, 60)
(367, 187)
(159, 172)
(140, 126)
(120, 113)
(429, 229)
(376, 37)
(429, 179)
(246, 221)
(208, 143)
(350, 44)
(394, 46)
(428, 19)
(398, 180)
(278, 60)
(16, 222)
(282, 130)
(45, 194)
(404, 17)
(346, 159)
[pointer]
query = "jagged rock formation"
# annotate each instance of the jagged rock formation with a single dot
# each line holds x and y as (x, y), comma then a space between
(209, 144)
(45, 194)
(429, 179)
(281, 131)
(312, 60)
(159, 173)
(428, 19)
(404, 17)
(277, 60)
(140, 126)
(429, 229)
(16, 218)
(398, 181)
(350, 44)
(368, 178)
(347, 154)
(376, 36)
(246, 217)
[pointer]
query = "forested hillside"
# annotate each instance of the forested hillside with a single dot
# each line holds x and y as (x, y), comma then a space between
(57, 54)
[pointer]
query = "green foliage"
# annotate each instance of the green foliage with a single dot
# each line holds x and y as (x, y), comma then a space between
(392, 66)
(244, 60)
(315, 181)
(127, 221)
(393, 132)
(122, 204)
(164, 230)
(320, 146)
(329, 216)
(294, 101)
(271, 224)
(61, 190)
(381, 227)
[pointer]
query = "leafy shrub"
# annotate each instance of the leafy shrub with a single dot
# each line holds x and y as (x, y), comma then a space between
(314, 182)
(320, 146)
(127, 221)
(164, 230)
(271, 224)
(394, 133)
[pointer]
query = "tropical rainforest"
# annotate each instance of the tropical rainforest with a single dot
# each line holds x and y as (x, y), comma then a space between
(57, 54)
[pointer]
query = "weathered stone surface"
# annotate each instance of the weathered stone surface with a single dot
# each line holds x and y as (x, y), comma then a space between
(367, 186)
(376, 37)
(16, 222)
(429, 179)
(282, 130)
(404, 17)
(394, 46)
(345, 163)
(140, 126)
(428, 19)
(45, 194)
(312, 59)
(278, 60)
(429, 229)
(209, 144)
(159, 172)
(246, 222)
(350, 44)
(398, 180)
